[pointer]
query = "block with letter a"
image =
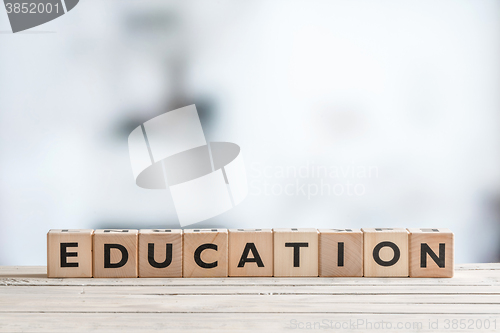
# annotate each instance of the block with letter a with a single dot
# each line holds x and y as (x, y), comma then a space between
(251, 252)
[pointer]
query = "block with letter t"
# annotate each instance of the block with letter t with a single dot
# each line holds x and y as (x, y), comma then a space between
(295, 252)
(69, 253)
(115, 253)
(431, 252)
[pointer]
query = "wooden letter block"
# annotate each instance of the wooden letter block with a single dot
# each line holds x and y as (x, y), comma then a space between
(160, 253)
(115, 253)
(295, 252)
(431, 252)
(385, 252)
(251, 252)
(205, 253)
(340, 252)
(69, 253)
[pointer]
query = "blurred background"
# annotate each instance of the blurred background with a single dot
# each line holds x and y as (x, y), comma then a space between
(349, 114)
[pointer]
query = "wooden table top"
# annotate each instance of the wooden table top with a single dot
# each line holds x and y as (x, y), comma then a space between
(469, 302)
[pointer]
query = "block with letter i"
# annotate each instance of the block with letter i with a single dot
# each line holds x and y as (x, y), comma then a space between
(431, 252)
(340, 252)
(115, 253)
(385, 252)
(160, 253)
(205, 253)
(295, 252)
(69, 253)
(251, 252)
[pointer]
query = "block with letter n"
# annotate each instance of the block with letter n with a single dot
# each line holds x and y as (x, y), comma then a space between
(431, 252)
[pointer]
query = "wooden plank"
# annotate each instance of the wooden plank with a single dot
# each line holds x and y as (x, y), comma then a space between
(254, 290)
(230, 322)
(29, 301)
(68, 293)
(232, 303)
(36, 276)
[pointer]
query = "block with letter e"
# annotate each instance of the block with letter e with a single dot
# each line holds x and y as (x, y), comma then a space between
(69, 253)
(160, 253)
(251, 252)
(295, 252)
(340, 252)
(431, 252)
(205, 253)
(385, 252)
(115, 253)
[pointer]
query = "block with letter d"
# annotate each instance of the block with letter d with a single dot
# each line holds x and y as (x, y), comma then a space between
(431, 252)
(69, 253)
(115, 253)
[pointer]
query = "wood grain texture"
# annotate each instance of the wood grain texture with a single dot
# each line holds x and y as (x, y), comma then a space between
(233, 322)
(164, 241)
(215, 259)
(381, 238)
(128, 238)
(351, 245)
(259, 240)
(79, 242)
(31, 302)
(290, 242)
(431, 237)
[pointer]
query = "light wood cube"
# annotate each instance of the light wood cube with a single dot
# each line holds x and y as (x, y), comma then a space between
(69, 253)
(385, 252)
(431, 252)
(160, 253)
(205, 253)
(115, 253)
(340, 252)
(295, 252)
(251, 252)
